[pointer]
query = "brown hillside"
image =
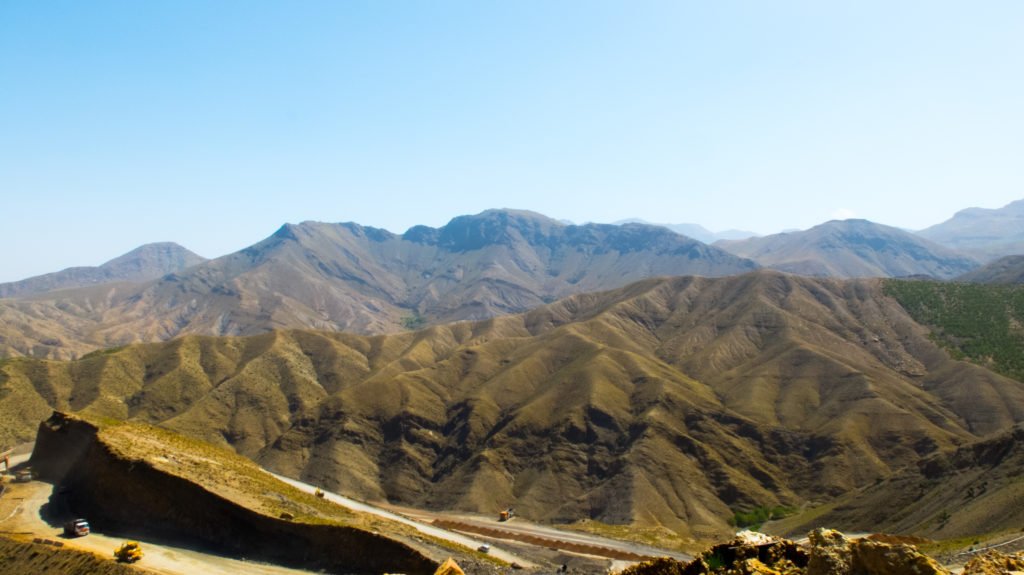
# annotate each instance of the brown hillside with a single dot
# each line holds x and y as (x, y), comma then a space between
(671, 401)
(972, 490)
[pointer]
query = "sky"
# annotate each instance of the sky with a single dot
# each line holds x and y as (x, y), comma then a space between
(213, 123)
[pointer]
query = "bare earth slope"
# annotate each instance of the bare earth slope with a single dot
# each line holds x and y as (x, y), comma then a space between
(852, 248)
(668, 402)
(141, 264)
(138, 480)
(366, 280)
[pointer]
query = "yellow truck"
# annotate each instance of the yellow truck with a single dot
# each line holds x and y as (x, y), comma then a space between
(128, 552)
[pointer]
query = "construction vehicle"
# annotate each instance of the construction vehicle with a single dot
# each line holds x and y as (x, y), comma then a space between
(319, 493)
(128, 552)
(76, 528)
(506, 514)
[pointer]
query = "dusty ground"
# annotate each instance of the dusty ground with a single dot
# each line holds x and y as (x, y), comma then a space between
(20, 518)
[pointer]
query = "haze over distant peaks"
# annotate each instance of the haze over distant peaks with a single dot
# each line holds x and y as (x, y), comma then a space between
(1005, 270)
(986, 233)
(696, 231)
(368, 280)
(852, 248)
(146, 262)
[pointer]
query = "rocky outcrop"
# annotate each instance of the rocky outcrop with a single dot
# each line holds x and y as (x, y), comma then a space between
(995, 563)
(828, 553)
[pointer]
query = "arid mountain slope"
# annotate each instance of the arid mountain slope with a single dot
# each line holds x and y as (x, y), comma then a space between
(973, 490)
(1005, 270)
(670, 401)
(141, 264)
(366, 280)
(987, 234)
(852, 248)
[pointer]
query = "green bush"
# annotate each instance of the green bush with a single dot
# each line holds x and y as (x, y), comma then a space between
(757, 516)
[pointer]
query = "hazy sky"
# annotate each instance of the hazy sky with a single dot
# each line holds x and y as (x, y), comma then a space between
(212, 123)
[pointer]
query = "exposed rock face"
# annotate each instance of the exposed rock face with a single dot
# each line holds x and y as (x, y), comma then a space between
(830, 553)
(875, 558)
(737, 557)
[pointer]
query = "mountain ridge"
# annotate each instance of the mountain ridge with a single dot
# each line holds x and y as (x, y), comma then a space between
(351, 277)
(985, 233)
(146, 262)
(852, 248)
(671, 401)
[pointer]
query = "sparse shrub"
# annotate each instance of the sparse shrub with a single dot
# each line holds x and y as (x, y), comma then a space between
(413, 322)
(759, 515)
(977, 322)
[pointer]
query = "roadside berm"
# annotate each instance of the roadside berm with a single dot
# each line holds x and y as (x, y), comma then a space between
(135, 480)
(827, 552)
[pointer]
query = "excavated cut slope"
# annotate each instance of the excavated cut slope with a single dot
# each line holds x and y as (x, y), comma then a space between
(130, 478)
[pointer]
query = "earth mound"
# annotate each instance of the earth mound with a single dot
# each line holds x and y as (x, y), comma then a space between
(135, 480)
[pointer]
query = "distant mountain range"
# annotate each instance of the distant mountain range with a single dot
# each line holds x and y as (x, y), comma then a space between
(985, 233)
(367, 280)
(361, 279)
(1005, 270)
(853, 248)
(695, 231)
(144, 263)
(670, 402)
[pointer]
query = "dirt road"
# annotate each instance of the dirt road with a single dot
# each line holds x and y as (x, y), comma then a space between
(424, 528)
(20, 516)
(521, 531)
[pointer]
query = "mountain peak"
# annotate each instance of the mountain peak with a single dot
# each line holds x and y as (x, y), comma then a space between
(146, 262)
(985, 233)
(853, 248)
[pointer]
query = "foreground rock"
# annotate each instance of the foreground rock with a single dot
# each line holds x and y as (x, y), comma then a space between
(829, 553)
(995, 563)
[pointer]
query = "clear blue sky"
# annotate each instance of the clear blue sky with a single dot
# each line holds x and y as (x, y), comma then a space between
(212, 123)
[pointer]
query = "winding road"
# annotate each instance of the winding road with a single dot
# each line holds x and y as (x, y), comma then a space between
(20, 515)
